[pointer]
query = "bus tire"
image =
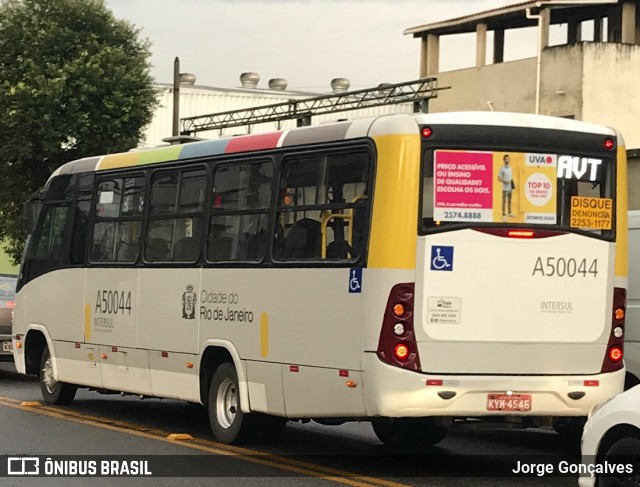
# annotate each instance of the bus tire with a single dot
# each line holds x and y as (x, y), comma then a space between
(408, 431)
(228, 423)
(54, 392)
(623, 451)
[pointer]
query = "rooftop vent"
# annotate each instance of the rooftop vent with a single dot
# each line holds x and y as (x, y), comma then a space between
(187, 78)
(279, 84)
(340, 85)
(249, 80)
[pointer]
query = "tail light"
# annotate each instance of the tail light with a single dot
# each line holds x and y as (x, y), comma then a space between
(516, 233)
(397, 343)
(615, 348)
(11, 304)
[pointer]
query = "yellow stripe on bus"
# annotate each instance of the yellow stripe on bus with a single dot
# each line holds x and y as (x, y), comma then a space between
(114, 161)
(395, 206)
(264, 334)
(87, 322)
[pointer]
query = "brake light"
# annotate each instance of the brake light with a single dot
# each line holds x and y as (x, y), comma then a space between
(615, 347)
(397, 343)
(521, 234)
(427, 132)
(11, 304)
(401, 351)
(609, 144)
(615, 354)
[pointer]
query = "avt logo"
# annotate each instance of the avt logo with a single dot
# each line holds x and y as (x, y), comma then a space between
(546, 160)
(570, 167)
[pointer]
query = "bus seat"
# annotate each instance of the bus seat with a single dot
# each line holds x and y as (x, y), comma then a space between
(339, 249)
(303, 240)
(220, 249)
(257, 245)
(127, 251)
(157, 249)
(187, 248)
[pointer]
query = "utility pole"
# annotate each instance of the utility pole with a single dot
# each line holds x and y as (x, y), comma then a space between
(176, 97)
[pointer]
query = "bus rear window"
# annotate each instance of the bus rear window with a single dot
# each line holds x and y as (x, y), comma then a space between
(471, 187)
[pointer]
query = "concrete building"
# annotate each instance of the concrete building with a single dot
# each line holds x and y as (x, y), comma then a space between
(594, 79)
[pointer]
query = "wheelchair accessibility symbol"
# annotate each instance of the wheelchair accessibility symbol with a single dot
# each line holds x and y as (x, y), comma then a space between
(355, 280)
(441, 258)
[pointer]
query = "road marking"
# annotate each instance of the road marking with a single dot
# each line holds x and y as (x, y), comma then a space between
(267, 459)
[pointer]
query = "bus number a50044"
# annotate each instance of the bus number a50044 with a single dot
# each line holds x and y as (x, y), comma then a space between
(113, 302)
(563, 267)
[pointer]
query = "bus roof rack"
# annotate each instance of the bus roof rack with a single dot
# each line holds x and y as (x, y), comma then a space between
(417, 92)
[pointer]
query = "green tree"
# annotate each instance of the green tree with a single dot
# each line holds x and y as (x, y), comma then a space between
(74, 82)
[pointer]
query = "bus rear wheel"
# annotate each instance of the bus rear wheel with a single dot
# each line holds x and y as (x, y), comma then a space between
(228, 423)
(409, 431)
(54, 392)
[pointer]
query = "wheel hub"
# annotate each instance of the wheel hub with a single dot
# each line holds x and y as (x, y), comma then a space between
(47, 376)
(226, 403)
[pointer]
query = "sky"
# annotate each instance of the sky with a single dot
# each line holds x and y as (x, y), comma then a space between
(307, 42)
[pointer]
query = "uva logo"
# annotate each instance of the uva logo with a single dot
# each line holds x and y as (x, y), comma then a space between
(189, 299)
(540, 160)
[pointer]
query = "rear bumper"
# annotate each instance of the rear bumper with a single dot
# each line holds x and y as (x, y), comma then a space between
(395, 392)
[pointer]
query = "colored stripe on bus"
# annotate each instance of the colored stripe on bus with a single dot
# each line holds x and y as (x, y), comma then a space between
(113, 161)
(231, 145)
(204, 149)
(248, 143)
(314, 135)
(165, 154)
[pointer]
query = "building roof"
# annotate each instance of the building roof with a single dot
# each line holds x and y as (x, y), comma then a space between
(514, 16)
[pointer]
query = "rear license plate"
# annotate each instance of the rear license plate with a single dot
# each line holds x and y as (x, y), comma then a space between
(508, 402)
(7, 347)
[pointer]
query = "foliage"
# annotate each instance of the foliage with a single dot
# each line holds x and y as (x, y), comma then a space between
(74, 82)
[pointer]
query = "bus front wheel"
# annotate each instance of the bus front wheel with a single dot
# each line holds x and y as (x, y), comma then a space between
(408, 431)
(228, 423)
(54, 392)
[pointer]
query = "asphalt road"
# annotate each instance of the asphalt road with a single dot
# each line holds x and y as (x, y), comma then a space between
(308, 454)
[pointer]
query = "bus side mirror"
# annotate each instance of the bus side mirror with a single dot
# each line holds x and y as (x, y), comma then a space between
(30, 214)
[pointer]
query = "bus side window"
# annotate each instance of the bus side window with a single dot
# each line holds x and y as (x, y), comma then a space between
(175, 224)
(48, 238)
(118, 219)
(322, 208)
(240, 212)
(80, 233)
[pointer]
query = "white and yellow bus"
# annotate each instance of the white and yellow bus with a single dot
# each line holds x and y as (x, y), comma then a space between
(394, 270)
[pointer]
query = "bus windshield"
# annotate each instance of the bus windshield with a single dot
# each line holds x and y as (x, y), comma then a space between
(499, 187)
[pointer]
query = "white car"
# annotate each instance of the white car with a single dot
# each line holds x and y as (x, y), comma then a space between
(611, 443)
